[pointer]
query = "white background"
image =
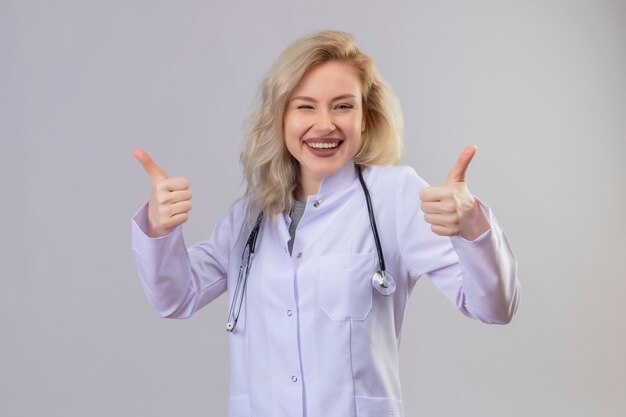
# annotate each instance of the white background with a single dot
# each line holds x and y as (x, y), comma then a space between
(539, 86)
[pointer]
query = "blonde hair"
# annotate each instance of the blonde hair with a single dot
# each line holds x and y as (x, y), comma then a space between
(270, 171)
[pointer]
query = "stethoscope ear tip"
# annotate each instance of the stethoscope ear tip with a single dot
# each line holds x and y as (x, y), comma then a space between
(230, 326)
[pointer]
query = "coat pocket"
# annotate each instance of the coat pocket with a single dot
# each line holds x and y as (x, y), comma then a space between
(345, 286)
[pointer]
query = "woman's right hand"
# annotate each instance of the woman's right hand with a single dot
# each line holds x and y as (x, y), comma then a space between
(170, 201)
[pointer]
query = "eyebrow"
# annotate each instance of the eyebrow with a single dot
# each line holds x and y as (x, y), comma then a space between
(341, 97)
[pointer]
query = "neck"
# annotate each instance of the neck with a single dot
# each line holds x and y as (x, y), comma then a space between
(307, 187)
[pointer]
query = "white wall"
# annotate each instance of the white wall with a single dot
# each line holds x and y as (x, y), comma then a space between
(539, 86)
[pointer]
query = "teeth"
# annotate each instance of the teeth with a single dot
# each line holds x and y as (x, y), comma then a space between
(323, 145)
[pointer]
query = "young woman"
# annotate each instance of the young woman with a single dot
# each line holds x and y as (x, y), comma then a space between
(322, 252)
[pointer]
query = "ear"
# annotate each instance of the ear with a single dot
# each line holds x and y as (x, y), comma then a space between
(363, 123)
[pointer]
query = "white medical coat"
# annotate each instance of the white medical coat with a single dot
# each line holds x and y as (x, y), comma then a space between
(314, 338)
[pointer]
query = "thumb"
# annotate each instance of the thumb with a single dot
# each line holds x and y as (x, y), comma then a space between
(154, 171)
(457, 174)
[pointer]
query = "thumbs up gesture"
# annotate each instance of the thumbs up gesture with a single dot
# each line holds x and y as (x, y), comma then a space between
(451, 209)
(170, 201)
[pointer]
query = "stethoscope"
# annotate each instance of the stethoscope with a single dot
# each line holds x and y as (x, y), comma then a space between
(382, 281)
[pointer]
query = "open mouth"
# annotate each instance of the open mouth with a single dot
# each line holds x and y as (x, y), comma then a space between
(323, 147)
(323, 143)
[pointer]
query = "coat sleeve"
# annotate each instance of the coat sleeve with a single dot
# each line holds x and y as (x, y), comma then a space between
(479, 276)
(177, 280)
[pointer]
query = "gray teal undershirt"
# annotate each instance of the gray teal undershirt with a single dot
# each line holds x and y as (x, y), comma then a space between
(296, 214)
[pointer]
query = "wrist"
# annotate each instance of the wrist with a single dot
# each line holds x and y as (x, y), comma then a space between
(156, 232)
(475, 224)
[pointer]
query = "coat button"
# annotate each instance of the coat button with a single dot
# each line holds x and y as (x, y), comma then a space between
(316, 203)
(294, 378)
(299, 255)
(289, 313)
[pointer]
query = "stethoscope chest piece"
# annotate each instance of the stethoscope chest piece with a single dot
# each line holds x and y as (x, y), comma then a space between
(384, 283)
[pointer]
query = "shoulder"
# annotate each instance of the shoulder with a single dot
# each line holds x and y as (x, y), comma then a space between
(394, 177)
(237, 211)
(229, 227)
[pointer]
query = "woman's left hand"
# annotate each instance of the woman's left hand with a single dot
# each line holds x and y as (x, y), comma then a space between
(452, 209)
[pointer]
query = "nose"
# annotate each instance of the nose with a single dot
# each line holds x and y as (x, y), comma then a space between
(324, 123)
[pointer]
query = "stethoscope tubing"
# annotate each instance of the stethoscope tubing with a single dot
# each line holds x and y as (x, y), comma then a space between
(370, 211)
(382, 281)
(242, 279)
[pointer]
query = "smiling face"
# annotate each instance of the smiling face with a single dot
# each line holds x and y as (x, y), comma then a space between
(323, 122)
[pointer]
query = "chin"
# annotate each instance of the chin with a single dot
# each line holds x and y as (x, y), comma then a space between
(327, 169)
